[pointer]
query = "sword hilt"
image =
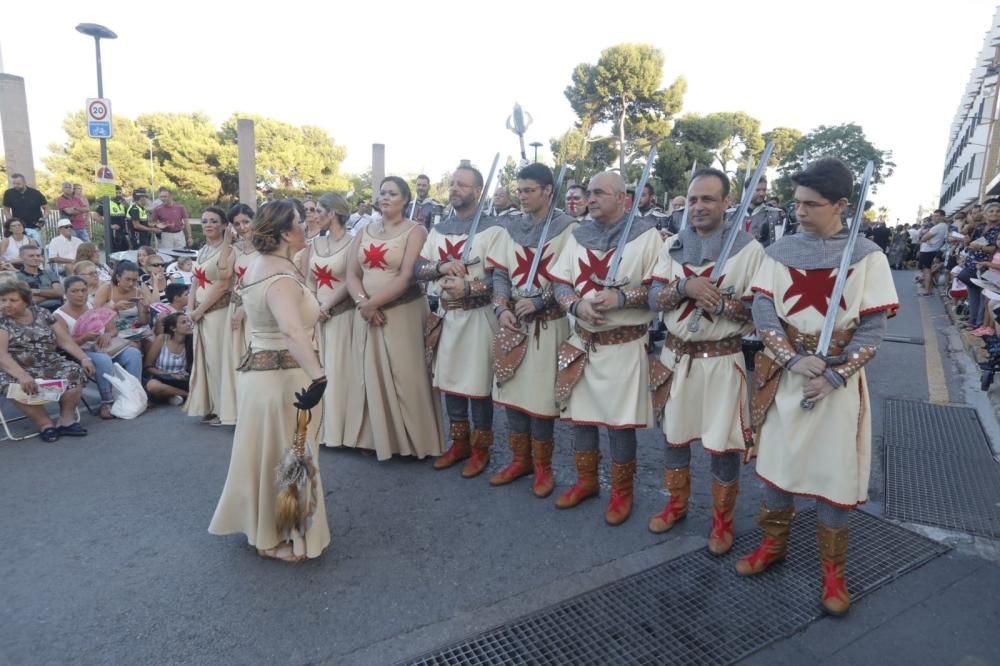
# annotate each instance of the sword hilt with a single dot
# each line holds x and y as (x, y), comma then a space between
(527, 292)
(610, 283)
(695, 322)
(470, 262)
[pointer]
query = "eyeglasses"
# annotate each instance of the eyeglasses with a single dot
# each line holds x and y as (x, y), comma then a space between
(310, 209)
(158, 264)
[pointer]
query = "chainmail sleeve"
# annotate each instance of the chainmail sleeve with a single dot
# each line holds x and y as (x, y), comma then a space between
(501, 290)
(566, 297)
(864, 343)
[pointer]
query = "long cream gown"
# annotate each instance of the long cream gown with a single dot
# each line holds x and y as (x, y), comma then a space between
(234, 342)
(205, 396)
(264, 431)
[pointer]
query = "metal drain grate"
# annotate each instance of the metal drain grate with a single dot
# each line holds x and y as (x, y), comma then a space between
(943, 429)
(958, 492)
(694, 609)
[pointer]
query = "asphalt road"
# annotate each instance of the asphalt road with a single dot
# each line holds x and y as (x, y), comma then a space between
(107, 558)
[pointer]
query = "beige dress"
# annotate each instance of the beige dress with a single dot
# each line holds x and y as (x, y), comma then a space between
(264, 432)
(326, 273)
(614, 388)
(530, 389)
(464, 362)
(210, 364)
(708, 396)
(824, 452)
(234, 342)
(391, 407)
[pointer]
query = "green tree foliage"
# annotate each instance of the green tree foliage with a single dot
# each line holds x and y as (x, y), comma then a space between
(187, 153)
(846, 142)
(196, 159)
(623, 89)
(673, 165)
(730, 136)
(77, 159)
(588, 156)
(786, 140)
(290, 157)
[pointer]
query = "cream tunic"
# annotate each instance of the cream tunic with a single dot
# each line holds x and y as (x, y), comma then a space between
(614, 388)
(207, 370)
(824, 452)
(530, 389)
(464, 362)
(708, 396)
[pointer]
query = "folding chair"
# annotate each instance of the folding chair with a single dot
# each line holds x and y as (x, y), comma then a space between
(5, 421)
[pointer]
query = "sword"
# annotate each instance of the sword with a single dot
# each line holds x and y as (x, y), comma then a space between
(467, 248)
(687, 207)
(734, 231)
(530, 291)
(616, 259)
(826, 333)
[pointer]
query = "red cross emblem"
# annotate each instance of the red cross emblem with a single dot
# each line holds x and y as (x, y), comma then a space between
(520, 275)
(450, 251)
(689, 305)
(813, 287)
(590, 269)
(375, 256)
(240, 272)
(323, 276)
(199, 275)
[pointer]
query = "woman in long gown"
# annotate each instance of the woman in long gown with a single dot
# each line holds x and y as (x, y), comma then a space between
(324, 263)
(237, 254)
(280, 313)
(392, 407)
(208, 302)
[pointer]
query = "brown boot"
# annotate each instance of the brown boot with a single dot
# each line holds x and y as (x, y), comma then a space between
(522, 463)
(459, 434)
(586, 479)
(622, 480)
(678, 482)
(482, 440)
(542, 453)
(720, 539)
(776, 523)
(832, 553)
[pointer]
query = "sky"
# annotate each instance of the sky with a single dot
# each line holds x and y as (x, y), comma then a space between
(435, 81)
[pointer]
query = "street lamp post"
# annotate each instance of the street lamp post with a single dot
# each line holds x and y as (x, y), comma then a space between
(536, 145)
(99, 32)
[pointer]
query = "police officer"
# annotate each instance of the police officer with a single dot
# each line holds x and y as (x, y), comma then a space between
(137, 213)
(118, 208)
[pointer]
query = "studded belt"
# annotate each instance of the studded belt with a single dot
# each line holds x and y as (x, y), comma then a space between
(807, 343)
(268, 359)
(703, 348)
(469, 302)
(223, 302)
(614, 336)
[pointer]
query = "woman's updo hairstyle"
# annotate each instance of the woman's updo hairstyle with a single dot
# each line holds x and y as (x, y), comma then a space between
(272, 220)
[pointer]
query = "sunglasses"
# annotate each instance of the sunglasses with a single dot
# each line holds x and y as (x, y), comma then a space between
(310, 210)
(156, 265)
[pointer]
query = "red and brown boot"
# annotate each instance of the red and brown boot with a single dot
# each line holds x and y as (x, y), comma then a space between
(678, 482)
(482, 440)
(776, 523)
(459, 450)
(520, 465)
(720, 539)
(622, 481)
(832, 554)
(586, 480)
(544, 484)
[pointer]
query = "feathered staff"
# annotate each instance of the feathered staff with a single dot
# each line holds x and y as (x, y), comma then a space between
(296, 475)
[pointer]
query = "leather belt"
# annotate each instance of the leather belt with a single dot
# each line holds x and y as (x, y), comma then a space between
(703, 348)
(268, 359)
(614, 336)
(807, 343)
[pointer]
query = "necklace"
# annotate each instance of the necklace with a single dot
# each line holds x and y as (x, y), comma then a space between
(203, 254)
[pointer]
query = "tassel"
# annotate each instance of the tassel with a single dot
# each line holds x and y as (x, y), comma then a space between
(295, 503)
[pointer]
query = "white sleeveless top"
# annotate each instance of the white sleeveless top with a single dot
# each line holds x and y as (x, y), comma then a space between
(13, 250)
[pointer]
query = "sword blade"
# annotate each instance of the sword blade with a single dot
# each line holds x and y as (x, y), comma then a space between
(616, 258)
(826, 334)
(474, 227)
(734, 230)
(687, 206)
(537, 259)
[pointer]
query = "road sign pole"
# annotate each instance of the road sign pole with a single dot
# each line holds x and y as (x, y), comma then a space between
(105, 201)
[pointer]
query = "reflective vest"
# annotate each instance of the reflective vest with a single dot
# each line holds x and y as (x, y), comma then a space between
(116, 208)
(142, 212)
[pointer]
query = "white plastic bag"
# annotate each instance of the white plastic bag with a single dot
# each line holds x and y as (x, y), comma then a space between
(130, 397)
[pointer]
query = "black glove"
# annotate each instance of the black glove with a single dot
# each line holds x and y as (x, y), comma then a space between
(309, 397)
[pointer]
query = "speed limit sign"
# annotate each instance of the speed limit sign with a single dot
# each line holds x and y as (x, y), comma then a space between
(98, 118)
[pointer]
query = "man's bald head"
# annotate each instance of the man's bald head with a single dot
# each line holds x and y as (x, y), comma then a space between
(606, 197)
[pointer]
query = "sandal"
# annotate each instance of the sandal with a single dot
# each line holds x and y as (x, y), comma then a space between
(72, 430)
(105, 412)
(49, 434)
(282, 552)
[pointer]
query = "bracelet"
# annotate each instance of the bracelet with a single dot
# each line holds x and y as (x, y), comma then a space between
(361, 297)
